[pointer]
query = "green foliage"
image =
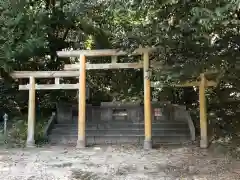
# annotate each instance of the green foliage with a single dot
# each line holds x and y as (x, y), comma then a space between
(22, 32)
(17, 131)
(191, 36)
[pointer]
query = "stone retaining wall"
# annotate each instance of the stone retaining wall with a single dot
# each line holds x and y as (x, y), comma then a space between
(64, 112)
(127, 114)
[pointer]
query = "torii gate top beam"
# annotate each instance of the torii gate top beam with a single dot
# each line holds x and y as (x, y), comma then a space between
(102, 52)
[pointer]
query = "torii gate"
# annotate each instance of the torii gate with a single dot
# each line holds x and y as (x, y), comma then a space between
(70, 70)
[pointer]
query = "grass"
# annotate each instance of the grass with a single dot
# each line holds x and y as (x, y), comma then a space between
(17, 131)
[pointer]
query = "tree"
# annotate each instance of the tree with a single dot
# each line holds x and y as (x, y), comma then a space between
(190, 35)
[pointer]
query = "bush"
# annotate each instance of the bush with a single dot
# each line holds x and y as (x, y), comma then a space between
(17, 131)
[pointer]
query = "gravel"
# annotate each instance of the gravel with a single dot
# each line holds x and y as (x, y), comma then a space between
(116, 163)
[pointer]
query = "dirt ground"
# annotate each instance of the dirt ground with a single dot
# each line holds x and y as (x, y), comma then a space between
(116, 163)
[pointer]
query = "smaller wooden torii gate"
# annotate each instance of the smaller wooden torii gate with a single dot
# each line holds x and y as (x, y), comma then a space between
(79, 70)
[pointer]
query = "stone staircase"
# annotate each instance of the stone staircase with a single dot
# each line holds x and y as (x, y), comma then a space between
(123, 123)
(119, 132)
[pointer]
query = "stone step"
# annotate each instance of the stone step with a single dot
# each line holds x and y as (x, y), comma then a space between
(118, 134)
(123, 127)
(97, 132)
(120, 140)
(124, 121)
(124, 124)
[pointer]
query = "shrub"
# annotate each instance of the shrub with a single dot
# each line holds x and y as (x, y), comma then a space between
(17, 132)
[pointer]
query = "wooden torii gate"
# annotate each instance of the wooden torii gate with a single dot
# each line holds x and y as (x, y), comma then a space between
(79, 70)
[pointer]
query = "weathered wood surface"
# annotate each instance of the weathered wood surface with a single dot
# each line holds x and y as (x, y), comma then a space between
(186, 84)
(102, 52)
(82, 104)
(31, 113)
(114, 59)
(49, 86)
(147, 103)
(44, 74)
(57, 80)
(70, 70)
(115, 65)
(105, 66)
(189, 84)
(203, 113)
